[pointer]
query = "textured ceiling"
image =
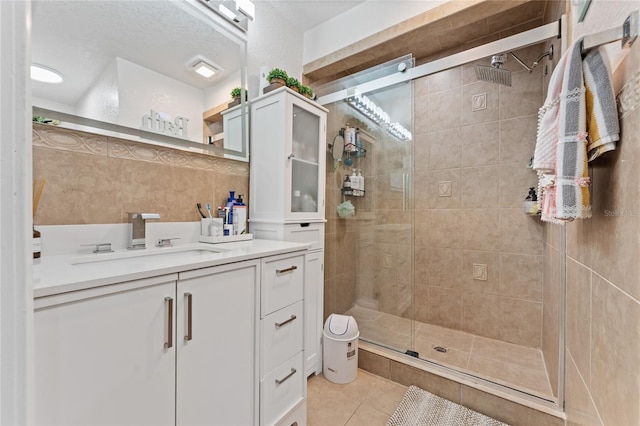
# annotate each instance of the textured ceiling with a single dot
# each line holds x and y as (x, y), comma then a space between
(81, 38)
(307, 14)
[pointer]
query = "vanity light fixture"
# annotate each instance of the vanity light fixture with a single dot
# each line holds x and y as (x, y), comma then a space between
(227, 12)
(247, 8)
(376, 114)
(45, 74)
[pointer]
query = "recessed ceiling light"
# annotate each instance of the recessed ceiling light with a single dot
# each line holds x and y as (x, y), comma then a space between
(45, 74)
(204, 69)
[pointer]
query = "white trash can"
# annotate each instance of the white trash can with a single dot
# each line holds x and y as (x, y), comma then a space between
(340, 349)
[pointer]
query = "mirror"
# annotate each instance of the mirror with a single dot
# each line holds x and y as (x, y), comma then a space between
(129, 72)
(337, 148)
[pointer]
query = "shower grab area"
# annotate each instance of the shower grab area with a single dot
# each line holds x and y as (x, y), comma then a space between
(440, 261)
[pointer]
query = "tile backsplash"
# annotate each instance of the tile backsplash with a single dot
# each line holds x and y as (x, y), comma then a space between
(92, 179)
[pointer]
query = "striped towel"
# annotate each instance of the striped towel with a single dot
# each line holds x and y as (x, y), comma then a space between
(579, 115)
(603, 126)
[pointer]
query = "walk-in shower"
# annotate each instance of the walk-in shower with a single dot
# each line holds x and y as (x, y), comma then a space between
(439, 261)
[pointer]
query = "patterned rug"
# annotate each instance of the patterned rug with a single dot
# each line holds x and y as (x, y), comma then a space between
(419, 407)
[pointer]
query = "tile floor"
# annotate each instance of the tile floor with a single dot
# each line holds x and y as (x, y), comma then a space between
(512, 365)
(367, 401)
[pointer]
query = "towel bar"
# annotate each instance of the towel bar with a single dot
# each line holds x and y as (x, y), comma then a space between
(627, 33)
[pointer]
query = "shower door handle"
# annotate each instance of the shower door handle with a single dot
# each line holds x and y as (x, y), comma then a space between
(405, 189)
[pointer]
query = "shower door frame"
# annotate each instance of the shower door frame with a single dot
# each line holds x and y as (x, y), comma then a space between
(557, 30)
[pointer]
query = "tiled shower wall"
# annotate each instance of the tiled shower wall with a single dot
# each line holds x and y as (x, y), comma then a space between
(92, 179)
(479, 159)
(602, 268)
(473, 143)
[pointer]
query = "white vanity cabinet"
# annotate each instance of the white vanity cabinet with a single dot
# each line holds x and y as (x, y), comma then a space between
(216, 344)
(175, 349)
(100, 355)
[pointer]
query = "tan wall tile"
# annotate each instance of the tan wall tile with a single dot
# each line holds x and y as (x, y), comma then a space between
(445, 149)
(445, 307)
(421, 150)
(505, 411)
(578, 316)
(445, 80)
(427, 189)
(615, 354)
(521, 276)
(445, 267)
(520, 233)
(480, 144)
(518, 139)
(445, 228)
(524, 97)
(479, 187)
(491, 111)
(445, 109)
(481, 231)
(521, 322)
(480, 316)
(492, 260)
(407, 375)
(578, 403)
(515, 181)
(550, 348)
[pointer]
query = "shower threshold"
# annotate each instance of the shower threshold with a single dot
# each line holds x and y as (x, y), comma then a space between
(514, 366)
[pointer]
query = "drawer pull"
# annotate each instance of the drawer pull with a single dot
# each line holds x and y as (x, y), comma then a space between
(289, 269)
(189, 335)
(280, 324)
(169, 303)
(285, 378)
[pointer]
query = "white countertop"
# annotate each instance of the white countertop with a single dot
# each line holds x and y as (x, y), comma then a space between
(71, 272)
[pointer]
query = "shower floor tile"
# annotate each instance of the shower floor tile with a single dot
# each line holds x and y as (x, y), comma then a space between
(505, 363)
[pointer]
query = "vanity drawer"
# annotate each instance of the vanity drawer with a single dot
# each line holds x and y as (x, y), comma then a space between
(281, 336)
(297, 417)
(281, 390)
(310, 233)
(282, 282)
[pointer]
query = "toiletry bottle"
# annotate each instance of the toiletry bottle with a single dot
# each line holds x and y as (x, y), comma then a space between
(239, 216)
(358, 143)
(347, 137)
(531, 203)
(355, 187)
(360, 182)
(37, 243)
(230, 201)
(296, 201)
(347, 183)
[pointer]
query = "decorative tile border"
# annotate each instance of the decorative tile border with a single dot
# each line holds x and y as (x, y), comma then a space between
(629, 96)
(48, 136)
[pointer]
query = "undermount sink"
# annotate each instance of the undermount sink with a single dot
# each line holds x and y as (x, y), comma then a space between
(138, 256)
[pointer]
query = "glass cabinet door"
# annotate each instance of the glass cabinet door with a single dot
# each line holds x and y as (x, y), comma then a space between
(305, 161)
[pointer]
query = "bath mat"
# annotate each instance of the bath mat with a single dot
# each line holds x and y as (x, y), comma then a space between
(419, 407)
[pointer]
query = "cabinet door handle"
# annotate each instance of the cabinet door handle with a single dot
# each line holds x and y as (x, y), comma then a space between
(189, 335)
(291, 156)
(169, 303)
(285, 378)
(282, 271)
(280, 324)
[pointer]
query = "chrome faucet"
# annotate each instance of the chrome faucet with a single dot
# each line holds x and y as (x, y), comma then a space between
(137, 229)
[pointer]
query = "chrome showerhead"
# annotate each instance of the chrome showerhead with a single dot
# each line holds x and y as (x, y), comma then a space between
(494, 74)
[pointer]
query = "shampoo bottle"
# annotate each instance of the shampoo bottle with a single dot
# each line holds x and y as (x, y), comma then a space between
(354, 182)
(360, 182)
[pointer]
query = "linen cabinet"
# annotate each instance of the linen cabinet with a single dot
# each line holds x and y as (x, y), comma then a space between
(287, 184)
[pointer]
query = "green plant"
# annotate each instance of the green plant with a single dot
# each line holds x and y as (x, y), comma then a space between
(306, 90)
(236, 93)
(277, 73)
(293, 83)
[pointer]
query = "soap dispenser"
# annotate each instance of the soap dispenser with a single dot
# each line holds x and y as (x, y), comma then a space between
(531, 203)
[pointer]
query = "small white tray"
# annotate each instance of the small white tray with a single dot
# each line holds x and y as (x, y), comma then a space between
(225, 239)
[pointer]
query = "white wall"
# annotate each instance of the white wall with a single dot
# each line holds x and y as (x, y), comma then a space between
(141, 90)
(101, 101)
(273, 42)
(359, 22)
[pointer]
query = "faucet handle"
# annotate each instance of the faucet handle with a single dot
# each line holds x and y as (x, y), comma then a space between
(99, 247)
(166, 242)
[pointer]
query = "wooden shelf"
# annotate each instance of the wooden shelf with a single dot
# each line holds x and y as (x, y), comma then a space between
(214, 114)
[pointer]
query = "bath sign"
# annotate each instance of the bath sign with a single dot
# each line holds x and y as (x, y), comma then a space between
(159, 122)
